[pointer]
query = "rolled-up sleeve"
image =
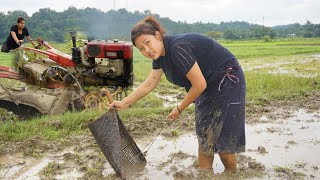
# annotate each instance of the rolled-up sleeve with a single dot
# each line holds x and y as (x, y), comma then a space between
(184, 57)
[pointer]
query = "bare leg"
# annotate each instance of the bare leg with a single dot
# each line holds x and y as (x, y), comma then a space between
(205, 162)
(229, 161)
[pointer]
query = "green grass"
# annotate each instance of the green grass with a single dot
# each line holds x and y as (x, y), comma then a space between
(261, 86)
(278, 47)
(274, 87)
(70, 123)
(61, 126)
(7, 59)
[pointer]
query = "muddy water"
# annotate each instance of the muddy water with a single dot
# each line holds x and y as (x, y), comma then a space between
(19, 167)
(167, 157)
(267, 65)
(291, 143)
(168, 100)
(279, 69)
(293, 73)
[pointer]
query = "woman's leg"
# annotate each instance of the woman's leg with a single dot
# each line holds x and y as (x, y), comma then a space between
(229, 161)
(205, 162)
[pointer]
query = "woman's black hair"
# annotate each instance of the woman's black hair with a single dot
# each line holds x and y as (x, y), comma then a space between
(149, 25)
(20, 19)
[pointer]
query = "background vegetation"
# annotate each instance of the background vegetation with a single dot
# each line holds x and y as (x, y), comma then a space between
(54, 26)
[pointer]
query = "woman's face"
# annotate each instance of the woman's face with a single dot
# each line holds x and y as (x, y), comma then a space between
(151, 46)
(22, 24)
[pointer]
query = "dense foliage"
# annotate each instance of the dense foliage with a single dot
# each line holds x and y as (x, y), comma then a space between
(54, 26)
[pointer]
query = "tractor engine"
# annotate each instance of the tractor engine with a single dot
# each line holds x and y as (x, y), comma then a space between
(105, 62)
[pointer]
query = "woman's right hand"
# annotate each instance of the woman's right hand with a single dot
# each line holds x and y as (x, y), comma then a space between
(19, 42)
(118, 104)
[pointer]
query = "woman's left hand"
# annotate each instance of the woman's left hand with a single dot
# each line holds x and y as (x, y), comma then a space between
(173, 115)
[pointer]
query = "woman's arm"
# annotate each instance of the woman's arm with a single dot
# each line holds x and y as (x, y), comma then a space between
(30, 40)
(143, 89)
(198, 83)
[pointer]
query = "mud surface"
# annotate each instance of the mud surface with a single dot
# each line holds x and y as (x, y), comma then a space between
(283, 145)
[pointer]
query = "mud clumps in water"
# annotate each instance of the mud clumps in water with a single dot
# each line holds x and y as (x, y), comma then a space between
(36, 147)
(171, 134)
(81, 154)
(246, 162)
(93, 173)
(314, 167)
(180, 155)
(292, 143)
(86, 158)
(281, 109)
(273, 129)
(287, 173)
(247, 168)
(112, 176)
(70, 156)
(300, 165)
(256, 165)
(190, 173)
(51, 170)
(262, 150)
(183, 175)
(174, 157)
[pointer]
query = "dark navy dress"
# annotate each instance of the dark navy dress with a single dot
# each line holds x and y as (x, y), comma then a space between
(220, 109)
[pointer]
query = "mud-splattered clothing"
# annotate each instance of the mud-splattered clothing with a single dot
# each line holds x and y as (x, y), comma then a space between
(220, 109)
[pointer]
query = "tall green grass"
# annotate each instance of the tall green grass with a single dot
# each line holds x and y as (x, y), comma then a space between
(275, 87)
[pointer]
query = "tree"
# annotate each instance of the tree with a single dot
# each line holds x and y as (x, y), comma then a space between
(215, 34)
(52, 26)
(309, 30)
(229, 34)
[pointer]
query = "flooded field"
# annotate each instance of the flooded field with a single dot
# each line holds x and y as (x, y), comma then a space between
(298, 66)
(281, 144)
(282, 132)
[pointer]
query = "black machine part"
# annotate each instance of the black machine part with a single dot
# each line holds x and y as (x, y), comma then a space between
(76, 54)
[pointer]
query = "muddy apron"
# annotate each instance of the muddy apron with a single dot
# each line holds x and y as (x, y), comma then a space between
(220, 111)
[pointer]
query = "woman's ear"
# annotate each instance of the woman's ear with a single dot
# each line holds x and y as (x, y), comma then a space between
(158, 35)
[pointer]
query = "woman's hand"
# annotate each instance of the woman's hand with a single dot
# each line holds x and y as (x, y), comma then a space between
(118, 104)
(174, 114)
(20, 42)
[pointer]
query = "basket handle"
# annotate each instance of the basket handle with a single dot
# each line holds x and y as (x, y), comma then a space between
(108, 94)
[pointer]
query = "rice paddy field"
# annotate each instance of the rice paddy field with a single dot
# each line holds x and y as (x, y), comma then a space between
(282, 124)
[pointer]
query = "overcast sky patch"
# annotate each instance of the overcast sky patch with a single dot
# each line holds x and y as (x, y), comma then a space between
(271, 12)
